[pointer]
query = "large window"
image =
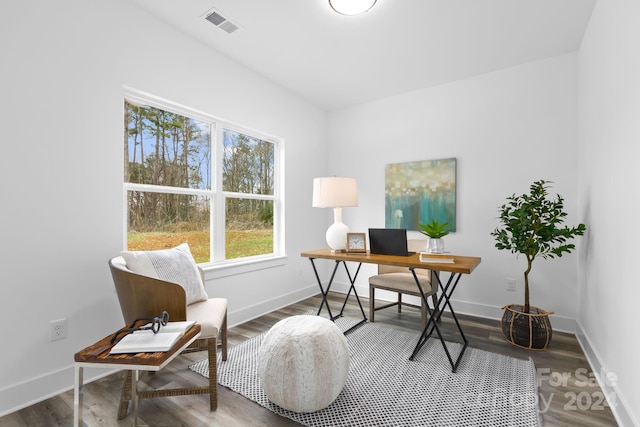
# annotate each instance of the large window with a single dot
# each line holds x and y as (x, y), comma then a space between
(192, 178)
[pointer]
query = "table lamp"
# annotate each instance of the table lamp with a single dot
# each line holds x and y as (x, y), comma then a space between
(335, 192)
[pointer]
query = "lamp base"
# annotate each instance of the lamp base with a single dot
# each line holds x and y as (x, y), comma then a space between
(338, 251)
(337, 233)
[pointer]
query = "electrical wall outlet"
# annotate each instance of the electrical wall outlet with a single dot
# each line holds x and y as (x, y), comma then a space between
(511, 284)
(57, 329)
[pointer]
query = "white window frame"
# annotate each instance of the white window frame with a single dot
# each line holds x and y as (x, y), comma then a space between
(219, 266)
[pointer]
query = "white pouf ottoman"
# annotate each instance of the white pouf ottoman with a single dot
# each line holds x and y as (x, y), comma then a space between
(303, 363)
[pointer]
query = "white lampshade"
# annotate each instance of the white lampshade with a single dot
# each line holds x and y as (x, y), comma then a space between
(332, 192)
(336, 193)
(351, 7)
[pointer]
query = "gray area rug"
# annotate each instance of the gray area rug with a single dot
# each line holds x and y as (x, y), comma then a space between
(384, 388)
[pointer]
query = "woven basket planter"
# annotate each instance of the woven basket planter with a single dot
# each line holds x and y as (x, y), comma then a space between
(527, 330)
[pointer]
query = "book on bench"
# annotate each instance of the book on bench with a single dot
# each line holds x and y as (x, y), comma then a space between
(146, 341)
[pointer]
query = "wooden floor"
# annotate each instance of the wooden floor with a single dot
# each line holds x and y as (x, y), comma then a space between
(565, 397)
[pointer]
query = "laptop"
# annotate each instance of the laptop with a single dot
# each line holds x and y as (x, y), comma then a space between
(388, 241)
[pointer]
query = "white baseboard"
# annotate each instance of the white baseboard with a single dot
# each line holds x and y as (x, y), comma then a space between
(248, 313)
(27, 393)
(616, 400)
(559, 323)
(34, 390)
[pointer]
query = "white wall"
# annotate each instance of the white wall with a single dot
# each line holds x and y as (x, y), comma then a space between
(64, 65)
(506, 129)
(609, 124)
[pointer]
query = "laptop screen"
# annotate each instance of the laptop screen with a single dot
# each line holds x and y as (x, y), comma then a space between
(388, 241)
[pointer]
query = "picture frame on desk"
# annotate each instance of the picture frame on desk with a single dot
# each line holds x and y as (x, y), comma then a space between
(356, 243)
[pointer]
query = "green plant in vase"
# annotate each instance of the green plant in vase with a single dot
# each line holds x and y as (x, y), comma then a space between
(435, 230)
(532, 226)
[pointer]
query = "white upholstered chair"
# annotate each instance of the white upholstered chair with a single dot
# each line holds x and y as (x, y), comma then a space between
(143, 296)
(401, 281)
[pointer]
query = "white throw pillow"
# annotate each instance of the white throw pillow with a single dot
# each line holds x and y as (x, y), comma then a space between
(173, 265)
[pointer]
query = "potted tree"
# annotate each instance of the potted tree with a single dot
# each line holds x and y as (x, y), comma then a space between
(435, 230)
(532, 226)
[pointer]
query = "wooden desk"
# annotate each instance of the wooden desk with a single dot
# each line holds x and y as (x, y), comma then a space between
(97, 355)
(461, 265)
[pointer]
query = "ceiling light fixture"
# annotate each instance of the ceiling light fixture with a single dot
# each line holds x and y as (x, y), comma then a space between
(351, 7)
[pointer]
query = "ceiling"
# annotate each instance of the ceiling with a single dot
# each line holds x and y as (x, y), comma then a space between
(336, 61)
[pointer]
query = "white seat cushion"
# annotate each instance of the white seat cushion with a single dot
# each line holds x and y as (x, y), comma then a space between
(402, 282)
(210, 314)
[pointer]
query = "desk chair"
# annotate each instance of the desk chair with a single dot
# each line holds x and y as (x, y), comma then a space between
(143, 296)
(401, 281)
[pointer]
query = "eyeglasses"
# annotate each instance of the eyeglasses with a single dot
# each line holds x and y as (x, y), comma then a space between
(155, 323)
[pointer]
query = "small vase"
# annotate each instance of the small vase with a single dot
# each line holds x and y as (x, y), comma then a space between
(435, 246)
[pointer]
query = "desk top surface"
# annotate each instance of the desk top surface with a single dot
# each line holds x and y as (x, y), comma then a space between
(461, 264)
(98, 353)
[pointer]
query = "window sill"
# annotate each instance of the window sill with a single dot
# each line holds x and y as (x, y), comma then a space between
(232, 268)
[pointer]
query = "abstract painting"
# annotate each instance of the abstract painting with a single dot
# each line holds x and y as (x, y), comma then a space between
(418, 192)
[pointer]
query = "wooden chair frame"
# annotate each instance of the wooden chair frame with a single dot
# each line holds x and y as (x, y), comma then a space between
(407, 286)
(142, 296)
(399, 302)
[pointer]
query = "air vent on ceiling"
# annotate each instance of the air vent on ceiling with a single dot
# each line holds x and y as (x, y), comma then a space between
(220, 21)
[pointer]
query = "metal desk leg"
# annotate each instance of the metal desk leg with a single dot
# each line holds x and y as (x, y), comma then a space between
(436, 314)
(351, 288)
(322, 291)
(77, 396)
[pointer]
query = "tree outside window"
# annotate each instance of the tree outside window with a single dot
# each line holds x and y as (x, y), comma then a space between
(177, 192)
